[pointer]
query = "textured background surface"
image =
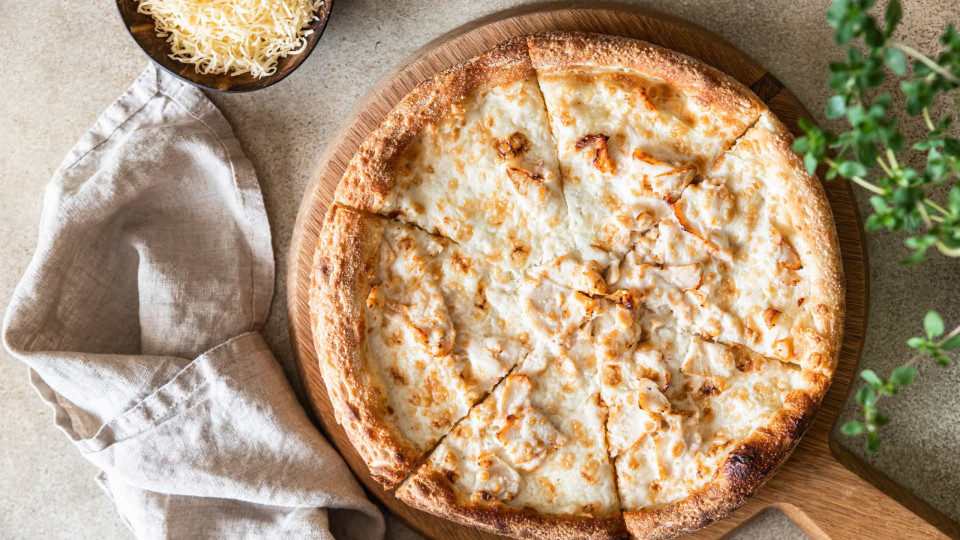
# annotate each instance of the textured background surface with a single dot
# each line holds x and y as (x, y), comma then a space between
(64, 62)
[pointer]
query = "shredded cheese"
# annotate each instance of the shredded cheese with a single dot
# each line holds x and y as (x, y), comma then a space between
(233, 36)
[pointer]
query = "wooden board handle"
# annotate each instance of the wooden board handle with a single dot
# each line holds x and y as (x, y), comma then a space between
(831, 494)
(859, 510)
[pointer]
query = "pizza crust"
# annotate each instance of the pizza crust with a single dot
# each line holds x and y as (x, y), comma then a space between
(343, 272)
(434, 493)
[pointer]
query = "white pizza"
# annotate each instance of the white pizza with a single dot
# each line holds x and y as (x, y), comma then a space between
(578, 286)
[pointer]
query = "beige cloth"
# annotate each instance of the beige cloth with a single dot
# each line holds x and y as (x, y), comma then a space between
(138, 319)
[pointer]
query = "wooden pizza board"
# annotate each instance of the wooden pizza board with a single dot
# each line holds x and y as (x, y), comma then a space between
(825, 490)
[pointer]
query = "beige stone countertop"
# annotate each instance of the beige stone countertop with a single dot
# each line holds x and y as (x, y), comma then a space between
(65, 62)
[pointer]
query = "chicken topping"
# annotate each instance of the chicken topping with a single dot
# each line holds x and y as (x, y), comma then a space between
(650, 397)
(512, 146)
(496, 478)
(626, 425)
(601, 158)
(527, 183)
(786, 256)
(770, 317)
(684, 277)
(670, 185)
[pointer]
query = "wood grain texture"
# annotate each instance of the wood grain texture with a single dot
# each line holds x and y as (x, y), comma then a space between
(821, 487)
(142, 29)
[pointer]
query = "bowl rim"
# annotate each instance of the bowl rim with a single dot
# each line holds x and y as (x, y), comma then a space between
(321, 26)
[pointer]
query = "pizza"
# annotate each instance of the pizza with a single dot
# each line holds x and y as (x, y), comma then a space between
(578, 286)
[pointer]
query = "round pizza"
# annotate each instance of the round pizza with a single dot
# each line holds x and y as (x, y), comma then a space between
(578, 286)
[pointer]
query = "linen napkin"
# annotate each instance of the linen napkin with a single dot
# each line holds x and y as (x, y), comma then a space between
(138, 319)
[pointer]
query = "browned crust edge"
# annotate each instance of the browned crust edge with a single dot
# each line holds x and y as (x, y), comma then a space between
(763, 452)
(344, 268)
(431, 491)
(556, 52)
(368, 180)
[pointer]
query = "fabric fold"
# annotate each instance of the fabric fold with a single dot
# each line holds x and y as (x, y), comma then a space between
(138, 318)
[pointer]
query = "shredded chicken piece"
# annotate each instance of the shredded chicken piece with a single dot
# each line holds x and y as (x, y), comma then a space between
(512, 146)
(770, 317)
(601, 158)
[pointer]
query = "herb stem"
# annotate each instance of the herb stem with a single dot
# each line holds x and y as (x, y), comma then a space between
(927, 62)
(880, 395)
(936, 207)
(893, 159)
(926, 118)
(884, 166)
(924, 215)
(867, 185)
(952, 333)
(947, 250)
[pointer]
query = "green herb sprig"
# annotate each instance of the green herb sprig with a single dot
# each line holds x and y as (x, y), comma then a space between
(871, 154)
(934, 345)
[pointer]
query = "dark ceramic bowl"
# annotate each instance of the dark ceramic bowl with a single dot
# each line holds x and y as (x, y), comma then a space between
(141, 28)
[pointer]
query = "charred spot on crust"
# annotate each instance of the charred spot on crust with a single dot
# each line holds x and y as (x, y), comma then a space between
(325, 269)
(352, 412)
(742, 464)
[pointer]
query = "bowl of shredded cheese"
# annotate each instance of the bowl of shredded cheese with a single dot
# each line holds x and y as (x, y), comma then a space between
(227, 45)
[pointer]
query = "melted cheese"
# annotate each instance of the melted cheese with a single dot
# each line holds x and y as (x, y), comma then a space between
(701, 396)
(441, 331)
(487, 177)
(545, 425)
(628, 145)
(740, 217)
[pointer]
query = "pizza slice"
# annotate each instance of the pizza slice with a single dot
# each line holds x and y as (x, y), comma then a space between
(635, 124)
(468, 155)
(774, 268)
(411, 331)
(684, 412)
(531, 459)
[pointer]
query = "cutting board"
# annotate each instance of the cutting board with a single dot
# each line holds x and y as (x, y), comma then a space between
(822, 487)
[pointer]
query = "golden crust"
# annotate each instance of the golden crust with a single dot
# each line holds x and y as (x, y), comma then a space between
(368, 181)
(433, 492)
(344, 268)
(559, 52)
